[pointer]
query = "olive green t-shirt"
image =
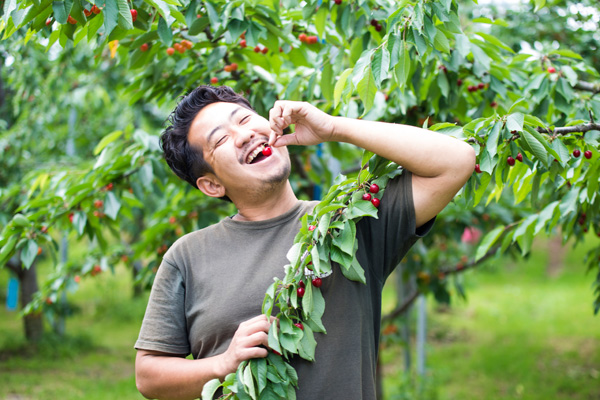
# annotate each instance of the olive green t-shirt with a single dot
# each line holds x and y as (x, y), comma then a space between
(213, 279)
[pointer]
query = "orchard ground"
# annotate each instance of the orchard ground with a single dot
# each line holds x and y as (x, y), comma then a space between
(525, 333)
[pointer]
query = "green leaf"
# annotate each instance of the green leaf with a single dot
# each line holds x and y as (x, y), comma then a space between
(355, 272)
(536, 147)
(514, 122)
(495, 41)
(106, 140)
(367, 89)
(402, 70)
(307, 344)
(442, 82)
(320, 20)
(491, 145)
(440, 42)
(566, 53)
(488, 240)
(198, 26)
(210, 388)
(29, 252)
(61, 10)
(7, 249)
(380, 65)
(327, 81)
(164, 32)
(340, 85)
(112, 205)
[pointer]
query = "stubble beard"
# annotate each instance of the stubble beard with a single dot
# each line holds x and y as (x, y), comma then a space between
(272, 184)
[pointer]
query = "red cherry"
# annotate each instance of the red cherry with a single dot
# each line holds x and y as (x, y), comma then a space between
(366, 197)
(459, 82)
(87, 12)
(214, 80)
(98, 203)
(376, 202)
(96, 10)
(477, 168)
(133, 15)
(71, 20)
(312, 40)
(311, 228)
(267, 151)
(264, 50)
(338, 2)
(44, 229)
(551, 70)
(144, 47)
(172, 220)
(493, 104)
(299, 325)
(301, 284)
(481, 85)
(257, 49)
(227, 68)
(576, 153)
(317, 282)
(243, 43)
(170, 51)
(374, 188)
(302, 37)
(276, 352)
(510, 161)
(77, 278)
(233, 66)
(48, 21)
(520, 157)
(300, 291)
(587, 154)
(71, 215)
(378, 27)
(109, 186)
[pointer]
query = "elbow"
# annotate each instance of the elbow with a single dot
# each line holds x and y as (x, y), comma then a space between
(142, 386)
(467, 161)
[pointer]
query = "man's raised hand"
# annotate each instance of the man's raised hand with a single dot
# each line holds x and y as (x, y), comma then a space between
(312, 126)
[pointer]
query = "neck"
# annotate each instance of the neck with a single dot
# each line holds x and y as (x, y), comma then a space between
(271, 206)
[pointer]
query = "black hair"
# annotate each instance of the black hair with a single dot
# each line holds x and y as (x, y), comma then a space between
(185, 160)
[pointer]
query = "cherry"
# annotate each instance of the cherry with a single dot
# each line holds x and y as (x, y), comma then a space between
(481, 85)
(338, 2)
(510, 161)
(366, 197)
(317, 282)
(243, 43)
(312, 39)
(172, 220)
(77, 278)
(302, 37)
(300, 291)
(587, 154)
(170, 51)
(376, 202)
(87, 12)
(179, 48)
(311, 228)
(257, 49)
(233, 66)
(187, 44)
(264, 50)
(267, 151)
(71, 215)
(551, 70)
(96, 10)
(443, 68)
(44, 229)
(520, 157)
(48, 21)
(576, 153)
(374, 188)
(98, 203)
(227, 68)
(144, 47)
(374, 22)
(378, 27)
(133, 15)
(301, 284)
(477, 168)
(39, 251)
(299, 325)
(276, 352)
(493, 104)
(71, 20)
(109, 186)
(459, 82)
(214, 80)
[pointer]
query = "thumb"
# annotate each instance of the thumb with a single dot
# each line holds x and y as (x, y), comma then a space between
(286, 140)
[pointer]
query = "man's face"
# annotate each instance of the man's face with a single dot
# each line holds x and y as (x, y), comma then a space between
(232, 138)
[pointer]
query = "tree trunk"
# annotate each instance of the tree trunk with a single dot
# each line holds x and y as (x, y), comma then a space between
(28, 286)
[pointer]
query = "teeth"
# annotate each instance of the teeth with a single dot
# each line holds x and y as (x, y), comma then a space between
(253, 155)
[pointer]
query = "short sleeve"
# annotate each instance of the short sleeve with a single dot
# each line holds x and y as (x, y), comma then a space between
(385, 240)
(164, 326)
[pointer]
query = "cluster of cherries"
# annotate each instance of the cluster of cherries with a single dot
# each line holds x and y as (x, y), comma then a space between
(373, 188)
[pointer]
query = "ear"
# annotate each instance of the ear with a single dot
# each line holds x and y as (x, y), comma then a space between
(210, 186)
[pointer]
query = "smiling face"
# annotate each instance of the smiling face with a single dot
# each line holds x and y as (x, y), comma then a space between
(232, 138)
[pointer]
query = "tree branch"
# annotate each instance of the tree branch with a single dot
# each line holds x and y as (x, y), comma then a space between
(588, 87)
(563, 130)
(402, 307)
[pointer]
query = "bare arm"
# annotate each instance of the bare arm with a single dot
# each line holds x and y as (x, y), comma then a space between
(171, 376)
(440, 164)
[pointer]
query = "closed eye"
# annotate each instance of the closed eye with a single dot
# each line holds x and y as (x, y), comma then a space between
(220, 141)
(245, 119)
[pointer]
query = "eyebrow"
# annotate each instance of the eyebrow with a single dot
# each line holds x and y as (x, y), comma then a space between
(220, 126)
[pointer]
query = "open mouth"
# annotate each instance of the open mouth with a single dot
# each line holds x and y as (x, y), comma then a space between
(257, 155)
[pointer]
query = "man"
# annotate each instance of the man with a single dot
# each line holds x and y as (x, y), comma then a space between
(208, 292)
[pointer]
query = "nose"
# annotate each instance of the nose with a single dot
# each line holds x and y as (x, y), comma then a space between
(243, 136)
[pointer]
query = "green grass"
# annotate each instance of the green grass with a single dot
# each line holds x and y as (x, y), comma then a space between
(522, 335)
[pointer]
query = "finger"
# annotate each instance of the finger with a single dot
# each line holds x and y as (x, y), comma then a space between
(286, 140)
